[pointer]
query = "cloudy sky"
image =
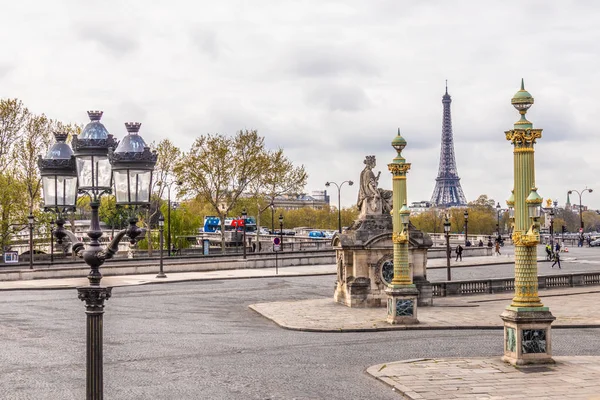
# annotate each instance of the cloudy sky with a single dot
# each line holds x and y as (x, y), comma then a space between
(328, 81)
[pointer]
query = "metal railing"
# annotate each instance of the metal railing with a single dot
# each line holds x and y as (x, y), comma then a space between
(502, 285)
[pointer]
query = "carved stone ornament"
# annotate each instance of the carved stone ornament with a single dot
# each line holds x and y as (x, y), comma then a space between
(523, 136)
(530, 239)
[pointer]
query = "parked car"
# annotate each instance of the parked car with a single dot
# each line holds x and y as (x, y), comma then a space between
(595, 243)
(316, 234)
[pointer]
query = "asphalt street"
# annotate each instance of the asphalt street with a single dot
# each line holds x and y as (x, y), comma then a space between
(199, 340)
(582, 259)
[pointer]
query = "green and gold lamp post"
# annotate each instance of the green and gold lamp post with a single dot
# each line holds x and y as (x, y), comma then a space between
(402, 293)
(527, 332)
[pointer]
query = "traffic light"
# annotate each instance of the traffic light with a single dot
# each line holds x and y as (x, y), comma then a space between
(564, 229)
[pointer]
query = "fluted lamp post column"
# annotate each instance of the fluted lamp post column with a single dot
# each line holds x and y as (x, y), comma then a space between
(527, 333)
(402, 293)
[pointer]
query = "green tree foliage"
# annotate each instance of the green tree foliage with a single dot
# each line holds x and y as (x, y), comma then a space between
(219, 168)
(279, 177)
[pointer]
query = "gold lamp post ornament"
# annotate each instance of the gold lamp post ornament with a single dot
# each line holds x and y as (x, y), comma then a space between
(527, 334)
(402, 293)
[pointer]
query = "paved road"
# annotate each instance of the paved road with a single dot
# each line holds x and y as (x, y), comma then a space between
(199, 340)
(583, 259)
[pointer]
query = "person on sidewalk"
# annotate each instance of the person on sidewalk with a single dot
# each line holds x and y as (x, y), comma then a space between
(497, 249)
(556, 260)
(557, 248)
(480, 243)
(459, 251)
(548, 252)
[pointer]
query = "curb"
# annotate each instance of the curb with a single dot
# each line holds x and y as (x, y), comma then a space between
(181, 281)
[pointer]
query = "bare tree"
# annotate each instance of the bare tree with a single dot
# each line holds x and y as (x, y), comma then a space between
(219, 168)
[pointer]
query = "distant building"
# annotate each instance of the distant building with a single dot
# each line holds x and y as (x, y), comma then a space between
(417, 207)
(318, 200)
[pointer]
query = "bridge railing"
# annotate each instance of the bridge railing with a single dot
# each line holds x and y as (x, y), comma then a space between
(503, 285)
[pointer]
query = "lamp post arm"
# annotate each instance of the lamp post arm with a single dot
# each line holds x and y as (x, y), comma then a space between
(134, 233)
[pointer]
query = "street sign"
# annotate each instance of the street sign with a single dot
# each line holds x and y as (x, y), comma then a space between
(580, 230)
(276, 247)
(276, 241)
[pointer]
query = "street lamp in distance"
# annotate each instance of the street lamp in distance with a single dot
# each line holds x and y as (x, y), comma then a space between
(339, 187)
(281, 230)
(466, 215)
(30, 221)
(498, 209)
(161, 228)
(580, 193)
(447, 233)
(244, 216)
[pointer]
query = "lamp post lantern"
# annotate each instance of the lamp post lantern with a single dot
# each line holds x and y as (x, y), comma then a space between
(527, 332)
(30, 221)
(161, 229)
(339, 187)
(580, 193)
(402, 292)
(447, 233)
(96, 162)
(244, 216)
(281, 230)
(466, 215)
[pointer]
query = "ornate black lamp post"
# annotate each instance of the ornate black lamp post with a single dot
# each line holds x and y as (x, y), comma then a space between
(281, 230)
(161, 228)
(580, 193)
(447, 233)
(30, 220)
(339, 187)
(466, 215)
(244, 215)
(132, 165)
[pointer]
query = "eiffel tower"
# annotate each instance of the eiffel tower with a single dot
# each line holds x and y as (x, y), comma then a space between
(447, 192)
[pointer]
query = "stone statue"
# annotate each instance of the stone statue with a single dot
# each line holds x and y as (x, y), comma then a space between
(372, 200)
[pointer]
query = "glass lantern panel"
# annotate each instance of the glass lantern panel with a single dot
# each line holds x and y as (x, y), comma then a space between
(139, 183)
(84, 171)
(66, 190)
(121, 189)
(103, 176)
(49, 188)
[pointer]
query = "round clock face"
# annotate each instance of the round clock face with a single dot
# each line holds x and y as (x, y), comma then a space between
(387, 271)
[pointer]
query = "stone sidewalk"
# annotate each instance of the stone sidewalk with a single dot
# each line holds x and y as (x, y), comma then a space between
(572, 307)
(143, 279)
(490, 378)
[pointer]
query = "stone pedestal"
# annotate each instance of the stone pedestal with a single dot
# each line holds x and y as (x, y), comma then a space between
(402, 305)
(364, 256)
(527, 335)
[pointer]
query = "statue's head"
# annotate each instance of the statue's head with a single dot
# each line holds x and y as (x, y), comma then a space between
(370, 161)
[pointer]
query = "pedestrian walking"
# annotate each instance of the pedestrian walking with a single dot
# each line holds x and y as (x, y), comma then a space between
(459, 251)
(556, 260)
(548, 252)
(498, 249)
(557, 247)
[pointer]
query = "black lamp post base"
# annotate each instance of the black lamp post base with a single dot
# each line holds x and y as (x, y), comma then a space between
(161, 275)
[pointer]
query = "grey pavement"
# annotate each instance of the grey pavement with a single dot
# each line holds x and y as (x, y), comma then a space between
(199, 340)
(490, 378)
(572, 307)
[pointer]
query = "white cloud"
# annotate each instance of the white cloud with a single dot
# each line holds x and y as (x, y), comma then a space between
(329, 81)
